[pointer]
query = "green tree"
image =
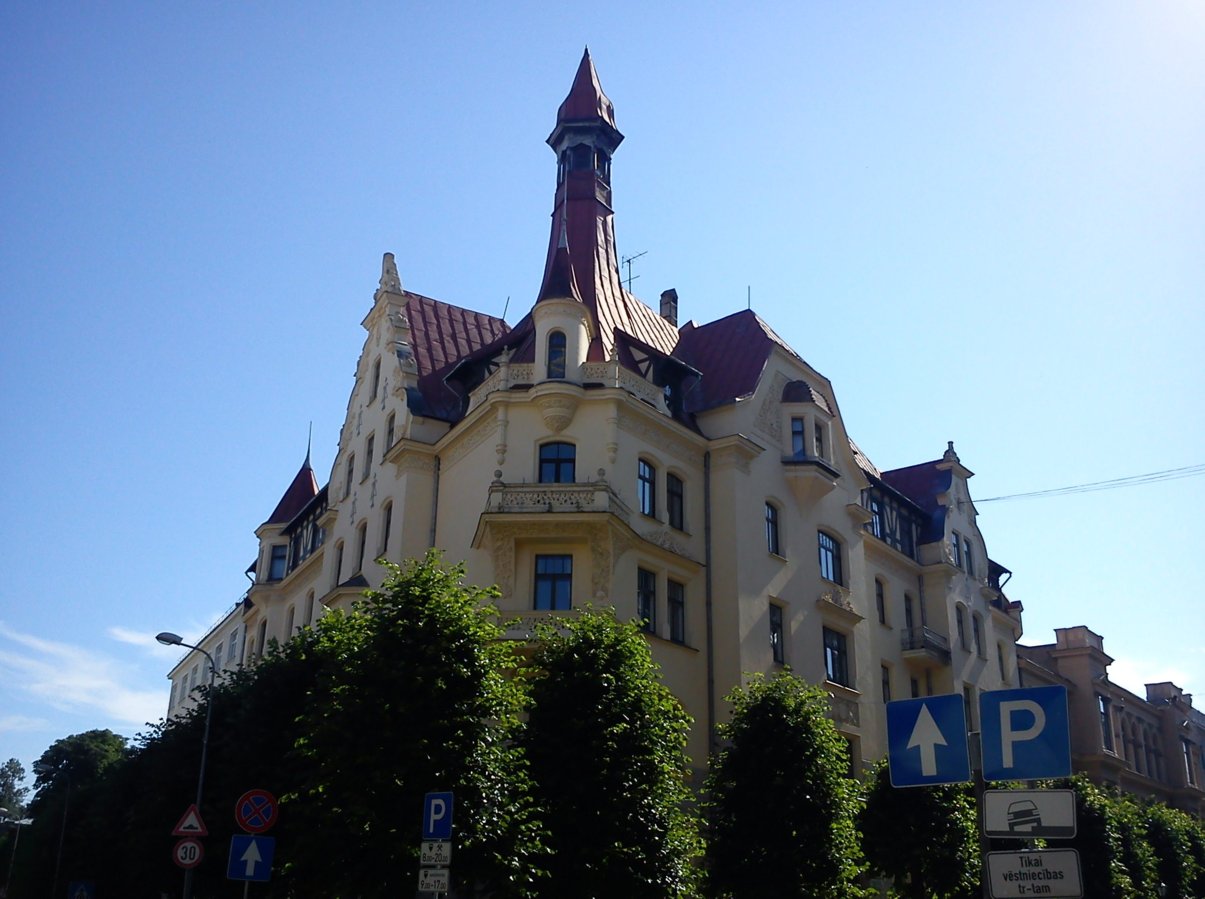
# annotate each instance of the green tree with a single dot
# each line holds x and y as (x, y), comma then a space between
(1137, 854)
(1171, 834)
(412, 695)
(606, 743)
(1099, 836)
(926, 839)
(780, 807)
(12, 791)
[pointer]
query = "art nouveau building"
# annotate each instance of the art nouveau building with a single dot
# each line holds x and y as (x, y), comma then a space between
(698, 478)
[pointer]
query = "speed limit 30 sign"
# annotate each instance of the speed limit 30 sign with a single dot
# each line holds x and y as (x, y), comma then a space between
(188, 852)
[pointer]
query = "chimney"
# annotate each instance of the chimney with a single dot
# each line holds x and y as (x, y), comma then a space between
(669, 306)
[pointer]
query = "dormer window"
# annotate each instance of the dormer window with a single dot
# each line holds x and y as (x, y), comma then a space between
(798, 438)
(277, 562)
(556, 355)
(819, 440)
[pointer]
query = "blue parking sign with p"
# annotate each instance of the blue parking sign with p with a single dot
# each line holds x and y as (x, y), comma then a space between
(1025, 733)
(437, 816)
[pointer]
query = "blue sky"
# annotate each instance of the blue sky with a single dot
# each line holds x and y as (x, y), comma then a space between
(983, 222)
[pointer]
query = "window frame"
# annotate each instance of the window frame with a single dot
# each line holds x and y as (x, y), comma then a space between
(773, 530)
(880, 600)
(556, 355)
(646, 487)
(675, 501)
(798, 437)
(646, 600)
(675, 600)
(386, 528)
(557, 465)
(837, 668)
(778, 648)
(830, 554)
(278, 561)
(554, 581)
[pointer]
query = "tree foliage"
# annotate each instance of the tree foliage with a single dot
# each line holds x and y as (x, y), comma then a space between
(1172, 835)
(780, 807)
(413, 696)
(1099, 840)
(606, 743)
(926, 839)
(12, 789)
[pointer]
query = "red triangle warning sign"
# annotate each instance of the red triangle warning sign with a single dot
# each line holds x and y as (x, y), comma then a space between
(191, 824)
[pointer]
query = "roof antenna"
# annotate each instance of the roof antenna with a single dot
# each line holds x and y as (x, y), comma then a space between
(505, 306)
(627, 260)
(748, 297)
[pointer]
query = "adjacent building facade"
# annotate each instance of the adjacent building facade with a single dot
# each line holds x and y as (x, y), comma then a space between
(697, 478)
(1150, 746)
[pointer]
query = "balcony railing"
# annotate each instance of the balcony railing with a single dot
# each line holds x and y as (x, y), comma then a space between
(523, 627)
(590, 497)
(924, 639)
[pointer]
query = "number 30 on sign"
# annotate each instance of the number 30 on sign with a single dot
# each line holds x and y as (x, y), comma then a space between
(188, 853)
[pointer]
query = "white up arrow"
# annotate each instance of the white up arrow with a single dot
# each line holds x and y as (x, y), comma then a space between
(927, 736)
(253, 858)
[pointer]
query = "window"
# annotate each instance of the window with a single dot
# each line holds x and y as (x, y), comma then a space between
(830, 557)
(960, 621)
(772, 529)
(956, 548)
(777, 649)
(361, 545)
(1000, 660)
(276, 566)
(376, 378)
(646, 488)
(309, 608)
(880, 601)
(1190, 773)
(289, 621)
(818, 441)
(192, 680)
(673, 501)
(390, 426)
(836, 657)
(798, 450)
(338, 564)
(554, 583)
(262, 643)
(557, 463)
(386, 526)
(556, 355)
(929, 685)
(876, 517)
(908, 616)
(217, 654)
(977, 627)
(967, 560)
(351, 474)
(369, 447)
(675, 595)
(646, 599)
(914, 685)
(1106, 722)
(885, 682)
(230, 645)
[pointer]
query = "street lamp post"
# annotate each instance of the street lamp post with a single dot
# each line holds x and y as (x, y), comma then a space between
(16, 823)
(167, 638)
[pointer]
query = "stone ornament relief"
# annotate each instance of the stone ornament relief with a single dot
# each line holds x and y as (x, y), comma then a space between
(768, 420)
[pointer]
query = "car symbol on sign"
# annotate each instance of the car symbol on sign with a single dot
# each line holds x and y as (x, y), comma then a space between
(1023, 816)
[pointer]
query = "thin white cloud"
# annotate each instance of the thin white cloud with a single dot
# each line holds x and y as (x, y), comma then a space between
(11, 724)
(145, 641)
(73, 678)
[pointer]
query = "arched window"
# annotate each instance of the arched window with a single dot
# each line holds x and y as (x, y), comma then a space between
(289, 620)
(556, 355)
(361, 545)
(830, 557)
(386, 523)
(557, 463)
(309, 608)
(960, 619)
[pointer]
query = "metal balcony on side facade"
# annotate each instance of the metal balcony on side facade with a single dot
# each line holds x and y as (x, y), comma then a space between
(924, 644)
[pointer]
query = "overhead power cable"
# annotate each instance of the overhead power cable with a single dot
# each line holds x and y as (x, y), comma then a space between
(1154, 477)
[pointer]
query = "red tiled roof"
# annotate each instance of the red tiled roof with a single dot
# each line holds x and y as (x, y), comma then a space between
(442, 335)
(303, 489)
(731, 353)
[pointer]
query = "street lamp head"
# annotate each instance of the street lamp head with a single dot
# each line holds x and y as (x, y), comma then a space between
(167, 638)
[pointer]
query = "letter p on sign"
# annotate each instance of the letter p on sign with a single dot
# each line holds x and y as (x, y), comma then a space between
(1025, 733)
(437, 816)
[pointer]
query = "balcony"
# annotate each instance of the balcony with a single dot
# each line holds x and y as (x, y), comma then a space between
(924, 644)
(523, 627)
(539, 498)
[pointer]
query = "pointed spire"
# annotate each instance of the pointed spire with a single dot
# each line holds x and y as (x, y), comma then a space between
(303, 489)
(586, 99)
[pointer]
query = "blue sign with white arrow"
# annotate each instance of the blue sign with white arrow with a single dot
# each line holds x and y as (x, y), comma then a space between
(1025, 733)
(250, 857)
(927, 741)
